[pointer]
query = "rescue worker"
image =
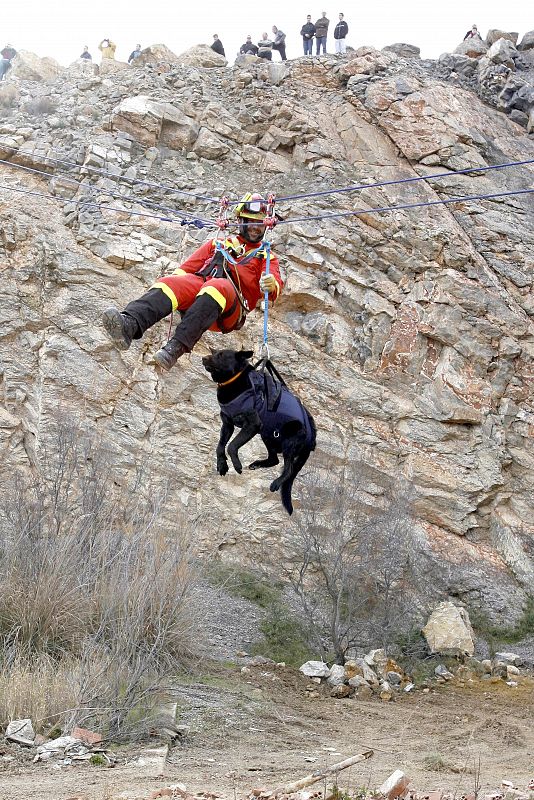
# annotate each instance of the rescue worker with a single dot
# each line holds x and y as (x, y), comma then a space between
(209, 292)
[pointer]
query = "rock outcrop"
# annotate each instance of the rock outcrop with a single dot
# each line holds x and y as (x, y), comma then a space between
(409, 333)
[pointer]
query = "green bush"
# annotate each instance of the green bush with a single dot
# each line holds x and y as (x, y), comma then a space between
(245, 583)
(285, 637)
(496, 635)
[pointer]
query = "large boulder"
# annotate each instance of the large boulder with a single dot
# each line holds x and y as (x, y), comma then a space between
(462, 65)
(146, 120)
(156, 54)
(403, 50)
(495, 34)
(209, 145)
(473, 48)
(503, 51)
(315, 669)
(202, 56)
(527, 42)
(448, 631)
(29, 67)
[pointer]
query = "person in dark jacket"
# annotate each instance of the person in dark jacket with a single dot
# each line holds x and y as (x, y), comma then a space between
(473, 34)
(265, 47)
(249, 47)
(279, 42)
(308, 32)
(217, 45)
(134, 54)
(86, 55)
(321, 32)
(8, 54)
(340, 33)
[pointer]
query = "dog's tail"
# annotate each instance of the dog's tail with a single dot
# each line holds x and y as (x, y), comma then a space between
(285, 495)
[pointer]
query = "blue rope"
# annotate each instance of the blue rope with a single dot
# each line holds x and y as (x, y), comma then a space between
(468, 198)
(434, 176)
(99, 190)
(267, 246)
(196, 222)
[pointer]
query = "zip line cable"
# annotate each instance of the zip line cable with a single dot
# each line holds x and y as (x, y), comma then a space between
(100, 190)
(419, 178)
(196, 222)
(108, 174)
(404, 206)
(323, 193)
(358, 212)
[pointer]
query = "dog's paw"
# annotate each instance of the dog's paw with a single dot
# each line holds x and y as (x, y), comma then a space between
(275, 485)
(222, 467)
(254, 465)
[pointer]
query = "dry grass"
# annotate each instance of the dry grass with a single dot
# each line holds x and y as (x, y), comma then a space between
(94, 589)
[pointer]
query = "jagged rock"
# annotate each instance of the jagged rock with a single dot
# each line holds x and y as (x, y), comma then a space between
(494, 34)
(503, 52)
(463, 65)
(443, 672)
(158, 55)
(21, 732)
(448, 631)
(278, 71)
(209, 145)
(27, 66)
(527, 42)
(473, 48)
(358, 667)
(202, 56)
(395, 785)
(404, 50)
(315, 669)
(342, 691)
(510, 658)
(337, 675)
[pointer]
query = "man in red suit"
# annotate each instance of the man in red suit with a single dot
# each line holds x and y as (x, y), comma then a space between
(210, 292)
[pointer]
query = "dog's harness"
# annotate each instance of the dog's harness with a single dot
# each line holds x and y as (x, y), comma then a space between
(275, 405)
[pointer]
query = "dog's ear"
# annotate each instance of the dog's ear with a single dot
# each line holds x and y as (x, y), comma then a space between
(246, 354)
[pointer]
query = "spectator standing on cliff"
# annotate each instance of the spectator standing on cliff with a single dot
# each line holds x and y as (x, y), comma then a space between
(8, 54)
(279, 42)
(340, 34)
(86, 55)
(107, 48)
(321, 32)
(217, 45)
(249, 48)
(308, 32)
(134, 54)
(473, 34)
(265, 47)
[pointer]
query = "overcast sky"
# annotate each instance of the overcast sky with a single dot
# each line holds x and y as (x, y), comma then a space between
(60, 28)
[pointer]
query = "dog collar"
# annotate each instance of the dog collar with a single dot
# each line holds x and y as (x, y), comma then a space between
(232, 379)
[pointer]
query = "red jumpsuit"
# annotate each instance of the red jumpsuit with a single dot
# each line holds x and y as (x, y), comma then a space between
(183, 287)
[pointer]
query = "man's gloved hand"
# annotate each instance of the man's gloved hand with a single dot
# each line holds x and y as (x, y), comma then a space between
(268, 283)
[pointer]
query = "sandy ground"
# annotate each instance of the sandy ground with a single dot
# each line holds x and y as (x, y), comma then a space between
(259, 729)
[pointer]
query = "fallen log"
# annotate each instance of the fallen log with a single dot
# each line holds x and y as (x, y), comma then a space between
(321, 774)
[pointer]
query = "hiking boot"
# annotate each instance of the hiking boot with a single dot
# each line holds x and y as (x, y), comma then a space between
(169, 354)
(120, 328)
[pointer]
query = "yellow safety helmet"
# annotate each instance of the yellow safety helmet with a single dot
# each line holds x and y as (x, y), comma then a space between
(252, 206)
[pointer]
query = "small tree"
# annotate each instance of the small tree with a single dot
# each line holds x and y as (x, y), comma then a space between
(350, 560)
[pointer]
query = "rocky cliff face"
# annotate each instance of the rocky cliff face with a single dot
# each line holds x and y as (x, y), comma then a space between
(409, 334)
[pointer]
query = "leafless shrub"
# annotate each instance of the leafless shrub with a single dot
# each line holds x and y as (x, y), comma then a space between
(9, 96)
(350, 559)
(94, 583)
(41, 107)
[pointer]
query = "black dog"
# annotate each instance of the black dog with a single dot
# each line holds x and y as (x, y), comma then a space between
(257, 403)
